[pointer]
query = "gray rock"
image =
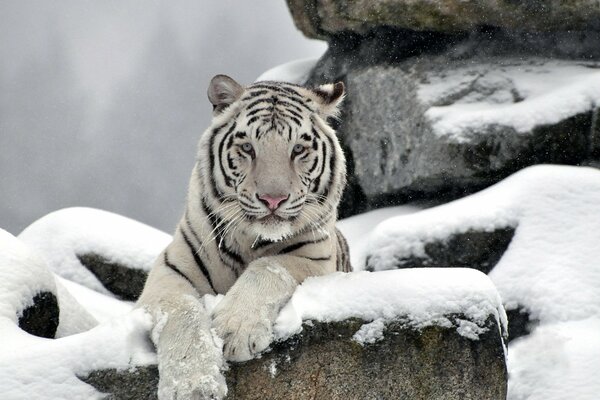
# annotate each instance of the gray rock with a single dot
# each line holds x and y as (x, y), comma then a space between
(41, 317)
(476, 249)
(397, 126)
(124, 282)
(326, 18)
(323, 362)
(480, 250)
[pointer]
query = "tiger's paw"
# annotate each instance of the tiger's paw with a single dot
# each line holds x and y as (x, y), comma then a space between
(178, 382)
(244, 332)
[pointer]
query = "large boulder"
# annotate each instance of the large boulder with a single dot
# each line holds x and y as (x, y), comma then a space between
(326, 361)
(326, 18)
(412, 334)
(431, 116)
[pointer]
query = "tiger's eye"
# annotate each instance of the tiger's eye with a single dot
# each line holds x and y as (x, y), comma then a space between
(298, 149)
(247, 147)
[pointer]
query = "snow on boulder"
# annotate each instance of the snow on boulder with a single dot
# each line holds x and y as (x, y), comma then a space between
(410, 334)
(293, 72)
(549, 273)
(103, 251)
(27, 289)
(465, 124)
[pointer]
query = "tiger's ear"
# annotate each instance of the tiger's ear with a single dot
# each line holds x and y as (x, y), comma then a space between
(329, 97)
(223, 91)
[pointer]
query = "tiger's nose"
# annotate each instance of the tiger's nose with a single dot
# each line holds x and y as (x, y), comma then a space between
(271, 201)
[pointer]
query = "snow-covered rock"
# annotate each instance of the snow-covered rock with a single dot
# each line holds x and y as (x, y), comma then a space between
(35, 306)
(549, 273)
(294, 71)
(451, 125)
(339, 324)
(410, 334)
(100, 250)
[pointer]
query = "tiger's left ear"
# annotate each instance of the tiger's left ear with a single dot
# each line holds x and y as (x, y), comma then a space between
(329, 97)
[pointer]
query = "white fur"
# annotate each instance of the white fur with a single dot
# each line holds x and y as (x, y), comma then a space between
(190, 356)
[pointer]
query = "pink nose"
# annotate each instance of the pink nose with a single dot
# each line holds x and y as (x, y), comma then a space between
(272, 202)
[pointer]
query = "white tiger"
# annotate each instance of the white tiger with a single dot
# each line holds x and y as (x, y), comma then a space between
(260, 215)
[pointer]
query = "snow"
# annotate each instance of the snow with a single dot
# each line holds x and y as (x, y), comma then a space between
(558, 361)
(509, 93)
(23, 274)
(38, 368)
(550, 266)
(417, 297)
(370, 333)
(62, 235)
(294, 71)
(550, 269)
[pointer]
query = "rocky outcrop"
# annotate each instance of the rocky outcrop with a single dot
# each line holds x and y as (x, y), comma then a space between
(326, 362)
(478, 249)
(325, 18)
(124, 282)
(41, 317)
(432, 115)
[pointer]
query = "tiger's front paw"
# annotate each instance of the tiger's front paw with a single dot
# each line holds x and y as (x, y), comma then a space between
(190, 385)
(245, 332)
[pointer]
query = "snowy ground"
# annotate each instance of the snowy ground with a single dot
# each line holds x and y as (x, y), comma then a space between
(550, 268)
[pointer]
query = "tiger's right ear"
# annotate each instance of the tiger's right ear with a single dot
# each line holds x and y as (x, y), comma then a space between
(223, 91)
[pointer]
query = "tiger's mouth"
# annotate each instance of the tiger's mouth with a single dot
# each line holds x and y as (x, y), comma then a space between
(272, 219)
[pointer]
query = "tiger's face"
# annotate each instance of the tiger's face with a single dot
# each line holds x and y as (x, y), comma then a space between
(276, 165)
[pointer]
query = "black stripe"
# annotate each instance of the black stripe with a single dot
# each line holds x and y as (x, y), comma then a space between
(253, 119)
(319, 258)
(215, 222)
(175, 269)
(292, 105)
(189, 225)
(306, 137)
(198, 260)
(211, 160)
(231, 254)
(254, 93)
(317, 181)
(298, 245)
(228, 180)
(262, 243)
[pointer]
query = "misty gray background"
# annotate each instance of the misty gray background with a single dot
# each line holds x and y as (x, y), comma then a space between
(102, 102)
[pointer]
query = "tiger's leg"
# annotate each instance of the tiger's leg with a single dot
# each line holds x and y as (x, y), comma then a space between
(189, 356)
(244, 318)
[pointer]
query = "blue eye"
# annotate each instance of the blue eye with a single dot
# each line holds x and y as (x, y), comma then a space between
(247, 147)
(298, 149)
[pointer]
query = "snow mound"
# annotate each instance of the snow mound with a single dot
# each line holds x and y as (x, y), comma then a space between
(551, 265)
(550, 269)
(418, 297)
(23, 275)
(60, 237)
(509, 93)
(40, 369)
(293, 72)
(355, 229)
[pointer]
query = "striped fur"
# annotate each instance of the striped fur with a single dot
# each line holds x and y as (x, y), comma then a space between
(272, 138)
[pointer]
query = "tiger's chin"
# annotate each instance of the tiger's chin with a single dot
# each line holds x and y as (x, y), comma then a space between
(272, 228)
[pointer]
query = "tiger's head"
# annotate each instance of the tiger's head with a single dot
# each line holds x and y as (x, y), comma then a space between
(273, 164)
